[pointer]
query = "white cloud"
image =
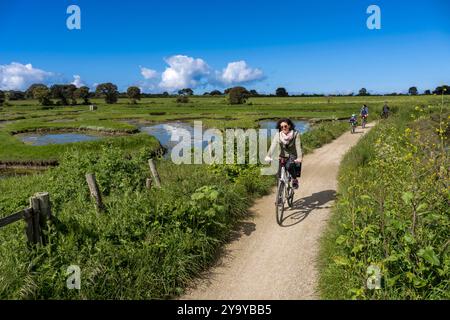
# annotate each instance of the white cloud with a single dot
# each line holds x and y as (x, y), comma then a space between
(238, 72)
(184, 72)
(17, 76)
(148, 73)
(188, 72)
(77, 81)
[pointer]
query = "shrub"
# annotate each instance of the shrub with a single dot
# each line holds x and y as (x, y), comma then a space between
(182, 99)
(238, 95)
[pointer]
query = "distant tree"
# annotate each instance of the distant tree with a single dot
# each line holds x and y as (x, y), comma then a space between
(134, 93)
(253, 93)
(83, 93)
(29, 93)
(2, 97)
(186, 92)
(64, 93)
(281, 92)
(43, 95)
(238, 95)
(206, 93)
(413, 91)
(227, 91)
(363, 92)
(442, 89)
(165, 94)
(108, 91)
(15, 95)
(215, 93)
(182, 99)
(427, 92)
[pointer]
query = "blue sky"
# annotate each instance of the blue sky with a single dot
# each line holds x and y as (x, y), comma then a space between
(304, 46)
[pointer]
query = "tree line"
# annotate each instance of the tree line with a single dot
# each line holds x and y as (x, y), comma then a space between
(68, 94)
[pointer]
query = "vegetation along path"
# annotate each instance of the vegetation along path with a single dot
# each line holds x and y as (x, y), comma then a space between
(269, 261)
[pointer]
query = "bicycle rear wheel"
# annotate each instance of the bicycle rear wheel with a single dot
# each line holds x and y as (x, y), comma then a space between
(279, 202)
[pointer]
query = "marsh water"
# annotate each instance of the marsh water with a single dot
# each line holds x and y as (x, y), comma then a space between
(56, 138)
(164, 132)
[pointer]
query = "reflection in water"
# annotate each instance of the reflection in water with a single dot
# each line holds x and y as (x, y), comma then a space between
(164, 131)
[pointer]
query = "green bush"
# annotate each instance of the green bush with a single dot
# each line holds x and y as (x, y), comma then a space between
(147, 243)
(392, 213)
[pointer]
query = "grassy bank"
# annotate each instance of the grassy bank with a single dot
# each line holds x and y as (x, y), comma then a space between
(392, 212)
(148, 243)
(14, 151)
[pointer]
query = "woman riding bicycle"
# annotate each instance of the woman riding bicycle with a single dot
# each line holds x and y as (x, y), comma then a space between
(288, 140)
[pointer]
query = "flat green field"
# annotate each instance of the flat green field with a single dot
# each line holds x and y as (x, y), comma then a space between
(123, 118)
(149, 243)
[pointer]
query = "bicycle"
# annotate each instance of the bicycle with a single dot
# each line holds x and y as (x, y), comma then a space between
(363, 120)
(353, 126)
(285, 191)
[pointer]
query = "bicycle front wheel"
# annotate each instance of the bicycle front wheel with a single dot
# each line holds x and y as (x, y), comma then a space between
(279, 202)
(290, 196)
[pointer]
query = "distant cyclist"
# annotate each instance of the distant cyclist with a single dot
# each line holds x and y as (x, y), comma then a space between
(353, 122)
(288, 140)
(365, 111)
(386, 109)
(364, 115)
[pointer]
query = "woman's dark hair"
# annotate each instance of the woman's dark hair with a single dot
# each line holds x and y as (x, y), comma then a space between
(288, 121)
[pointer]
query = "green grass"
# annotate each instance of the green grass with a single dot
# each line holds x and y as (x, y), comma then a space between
(24, 116)
(392, 212)
(148, 243)
(15, 152)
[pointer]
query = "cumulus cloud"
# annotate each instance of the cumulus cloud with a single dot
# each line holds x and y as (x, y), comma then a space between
(17, 76)
(238, 72)
(77, 81)
(148, 73)
(188, 72)
(184, 72)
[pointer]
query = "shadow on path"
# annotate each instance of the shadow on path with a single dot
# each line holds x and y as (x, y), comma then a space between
(303, 207)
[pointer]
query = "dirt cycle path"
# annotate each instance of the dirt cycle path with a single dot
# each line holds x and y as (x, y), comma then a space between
(269, 261)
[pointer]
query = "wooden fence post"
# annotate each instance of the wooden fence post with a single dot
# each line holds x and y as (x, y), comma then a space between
(95, 192)
(36, 217)
(154, 173)
(45, 213)
(148, 183)
(29, 229)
